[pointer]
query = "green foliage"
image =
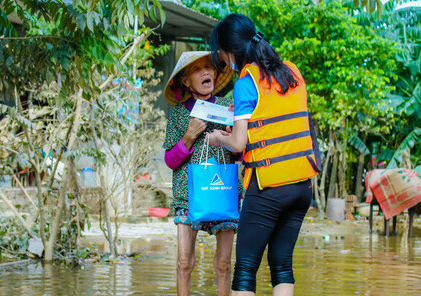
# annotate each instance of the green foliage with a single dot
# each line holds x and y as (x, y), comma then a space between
(66, 42)
(7, 28)
(217, 8)
(371, 5)
(348, 68)
(404, 28)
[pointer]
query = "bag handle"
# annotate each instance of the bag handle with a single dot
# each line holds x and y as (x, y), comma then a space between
(220, 148)
(205, 145)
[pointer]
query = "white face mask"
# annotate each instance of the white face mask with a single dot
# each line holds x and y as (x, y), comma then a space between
(233, 65)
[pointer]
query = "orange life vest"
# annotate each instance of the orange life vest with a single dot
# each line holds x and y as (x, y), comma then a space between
(280, 146)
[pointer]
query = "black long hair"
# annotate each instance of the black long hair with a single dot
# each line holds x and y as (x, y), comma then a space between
(234, 34)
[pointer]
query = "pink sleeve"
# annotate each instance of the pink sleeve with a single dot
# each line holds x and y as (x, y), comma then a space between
(175, 157)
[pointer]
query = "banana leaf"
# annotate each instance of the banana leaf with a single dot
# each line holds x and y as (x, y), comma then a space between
(358, 144)
(406, 145)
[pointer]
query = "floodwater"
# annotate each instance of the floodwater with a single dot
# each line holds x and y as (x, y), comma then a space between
(347, 261)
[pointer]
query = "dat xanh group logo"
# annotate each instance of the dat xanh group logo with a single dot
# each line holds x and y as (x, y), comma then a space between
(216, 180)
(216, 184)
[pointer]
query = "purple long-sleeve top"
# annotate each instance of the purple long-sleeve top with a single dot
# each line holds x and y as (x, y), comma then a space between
(176, 156)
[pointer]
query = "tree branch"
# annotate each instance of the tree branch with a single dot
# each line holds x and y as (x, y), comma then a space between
(136, 42)
(36, 37)
(64, 184)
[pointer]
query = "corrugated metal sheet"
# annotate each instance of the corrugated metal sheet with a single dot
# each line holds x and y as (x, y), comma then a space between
(184, 22)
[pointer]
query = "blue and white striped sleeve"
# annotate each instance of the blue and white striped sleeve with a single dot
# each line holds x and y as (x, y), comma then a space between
(245, 98)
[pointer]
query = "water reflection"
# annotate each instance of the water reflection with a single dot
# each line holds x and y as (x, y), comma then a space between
(351, 264)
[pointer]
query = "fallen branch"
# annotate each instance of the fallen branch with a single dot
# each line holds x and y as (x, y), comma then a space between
(33, 217)
(12, 207)
(15, 262)
(23, 189)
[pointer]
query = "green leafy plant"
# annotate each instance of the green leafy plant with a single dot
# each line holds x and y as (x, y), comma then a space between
(53, 70)
(14, 239)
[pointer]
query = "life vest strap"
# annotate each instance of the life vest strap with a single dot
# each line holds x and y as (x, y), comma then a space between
(260, 123)
(269, 161)
(313, 164)
(264, 143)
(317, 166)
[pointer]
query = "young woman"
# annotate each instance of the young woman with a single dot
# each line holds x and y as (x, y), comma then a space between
(193, 79)
(271, 126)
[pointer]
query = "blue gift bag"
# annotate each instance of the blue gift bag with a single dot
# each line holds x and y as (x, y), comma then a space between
(213, 191)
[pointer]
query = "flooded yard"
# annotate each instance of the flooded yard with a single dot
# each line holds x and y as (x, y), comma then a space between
(330, 259)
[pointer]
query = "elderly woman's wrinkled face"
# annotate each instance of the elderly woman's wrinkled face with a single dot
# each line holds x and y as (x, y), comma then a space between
(199, 76)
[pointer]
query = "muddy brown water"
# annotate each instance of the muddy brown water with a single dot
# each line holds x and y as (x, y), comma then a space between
(327, 261)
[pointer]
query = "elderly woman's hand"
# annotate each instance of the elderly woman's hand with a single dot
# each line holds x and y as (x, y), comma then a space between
(195, 128)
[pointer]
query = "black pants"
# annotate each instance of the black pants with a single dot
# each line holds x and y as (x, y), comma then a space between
(273, 217)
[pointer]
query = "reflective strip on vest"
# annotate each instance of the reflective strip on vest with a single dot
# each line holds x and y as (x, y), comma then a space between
(269, 161)
(260, 123)
(264, 143)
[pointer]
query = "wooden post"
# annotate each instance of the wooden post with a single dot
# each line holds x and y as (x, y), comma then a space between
(386, 227)
(370, 218)
(411, 213)
(394, 225)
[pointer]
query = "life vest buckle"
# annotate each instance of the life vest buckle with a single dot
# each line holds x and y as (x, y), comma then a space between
(262, 144)
(259, 123)
(267, 161)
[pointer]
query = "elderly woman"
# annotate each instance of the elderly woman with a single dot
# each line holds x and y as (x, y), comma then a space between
(194, 79)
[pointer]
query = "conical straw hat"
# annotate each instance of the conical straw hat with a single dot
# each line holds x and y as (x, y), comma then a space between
(186, 59)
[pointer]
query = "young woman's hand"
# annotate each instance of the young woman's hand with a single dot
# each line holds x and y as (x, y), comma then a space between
(231, 107)
(235, 141)
(214, 137)
(195, 128)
